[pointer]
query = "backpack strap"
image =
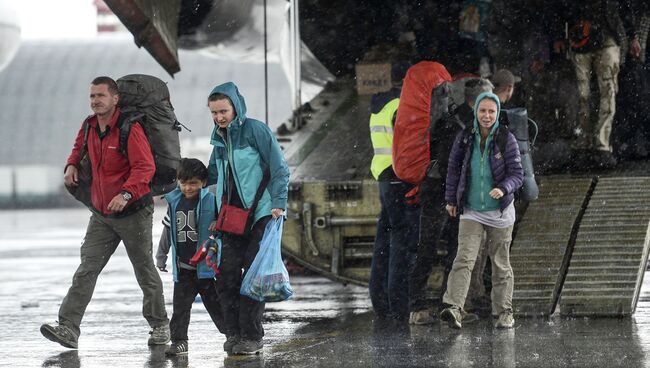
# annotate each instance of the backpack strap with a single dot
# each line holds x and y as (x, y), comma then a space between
(124, 123)
(84, 146)
(266, 177)
(502, 139)
(258, 195)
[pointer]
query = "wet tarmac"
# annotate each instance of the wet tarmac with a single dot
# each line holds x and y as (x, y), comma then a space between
(326, 324)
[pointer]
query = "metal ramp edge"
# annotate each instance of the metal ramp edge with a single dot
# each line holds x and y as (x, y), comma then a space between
(610, 254)
(539, 254)
(335, 100)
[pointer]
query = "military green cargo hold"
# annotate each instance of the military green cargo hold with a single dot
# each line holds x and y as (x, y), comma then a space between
(333, 199)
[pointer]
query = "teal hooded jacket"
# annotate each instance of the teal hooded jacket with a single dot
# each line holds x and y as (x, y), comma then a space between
(250, 149)
(481, 181)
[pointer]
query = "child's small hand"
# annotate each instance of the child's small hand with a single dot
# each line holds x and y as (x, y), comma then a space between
(163, 269)
(213, 226)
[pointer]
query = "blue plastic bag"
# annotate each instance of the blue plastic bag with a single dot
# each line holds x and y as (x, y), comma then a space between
(267, 279)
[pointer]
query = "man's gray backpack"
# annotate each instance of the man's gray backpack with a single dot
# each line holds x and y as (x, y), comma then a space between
(145, 99)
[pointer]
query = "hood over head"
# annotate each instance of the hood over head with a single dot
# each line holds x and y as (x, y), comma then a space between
(230, 89)
(481, 97)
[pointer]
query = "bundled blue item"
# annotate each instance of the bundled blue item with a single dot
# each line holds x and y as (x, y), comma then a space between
(267, 279)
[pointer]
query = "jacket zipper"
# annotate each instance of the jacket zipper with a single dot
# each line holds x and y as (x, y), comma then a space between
(225, 171)
(101, 159)
(196, 221)
(482, 181)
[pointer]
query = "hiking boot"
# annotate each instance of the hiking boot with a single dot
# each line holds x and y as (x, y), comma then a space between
(159, 335)
(247, 347)
(231, 340)
(505, 320)
(61, 334)
(468, 317)
(177, 348)
(421, 317)
(453, 317)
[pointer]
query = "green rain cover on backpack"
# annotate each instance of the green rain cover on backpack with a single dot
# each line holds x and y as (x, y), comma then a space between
(145, 99)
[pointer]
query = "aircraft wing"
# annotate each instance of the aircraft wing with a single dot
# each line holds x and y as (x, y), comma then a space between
(154, 25)
(223, 29)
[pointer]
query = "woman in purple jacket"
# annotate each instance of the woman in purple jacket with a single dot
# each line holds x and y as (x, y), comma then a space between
(481, 181)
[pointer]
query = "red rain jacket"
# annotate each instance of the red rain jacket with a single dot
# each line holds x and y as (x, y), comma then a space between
(112, 171)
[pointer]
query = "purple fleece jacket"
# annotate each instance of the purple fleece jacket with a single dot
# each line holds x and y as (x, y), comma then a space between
(507, 171)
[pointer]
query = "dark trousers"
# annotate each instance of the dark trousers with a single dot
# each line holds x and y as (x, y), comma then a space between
(185, 290)
(242, 315)
(102, 238)
(433, 219)
(394, 250)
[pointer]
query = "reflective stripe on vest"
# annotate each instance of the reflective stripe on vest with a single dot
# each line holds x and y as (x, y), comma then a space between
(381, 135)
(381, 129)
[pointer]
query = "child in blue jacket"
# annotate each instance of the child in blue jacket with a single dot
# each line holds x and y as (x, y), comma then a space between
(190, 211)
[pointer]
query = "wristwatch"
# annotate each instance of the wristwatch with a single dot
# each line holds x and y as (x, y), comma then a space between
(126, 195)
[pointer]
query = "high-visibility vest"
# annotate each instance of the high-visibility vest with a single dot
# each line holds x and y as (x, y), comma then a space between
(381, 135)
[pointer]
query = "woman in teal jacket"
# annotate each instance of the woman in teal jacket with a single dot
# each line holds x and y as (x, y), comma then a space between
(243, 150)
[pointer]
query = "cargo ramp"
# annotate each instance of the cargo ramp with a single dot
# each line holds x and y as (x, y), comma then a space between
(539, 252)
(611, 250)
(582, 246)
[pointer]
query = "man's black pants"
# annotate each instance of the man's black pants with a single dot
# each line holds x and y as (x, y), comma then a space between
(432, 223)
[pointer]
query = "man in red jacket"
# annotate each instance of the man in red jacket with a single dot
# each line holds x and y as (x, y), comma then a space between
(122, 210)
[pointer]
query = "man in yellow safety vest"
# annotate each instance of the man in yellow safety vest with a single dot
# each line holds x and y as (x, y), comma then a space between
(397, 230)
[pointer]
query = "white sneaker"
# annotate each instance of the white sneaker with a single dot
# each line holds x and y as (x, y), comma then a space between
(421, 317)
(505, 320)
(177, 348)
